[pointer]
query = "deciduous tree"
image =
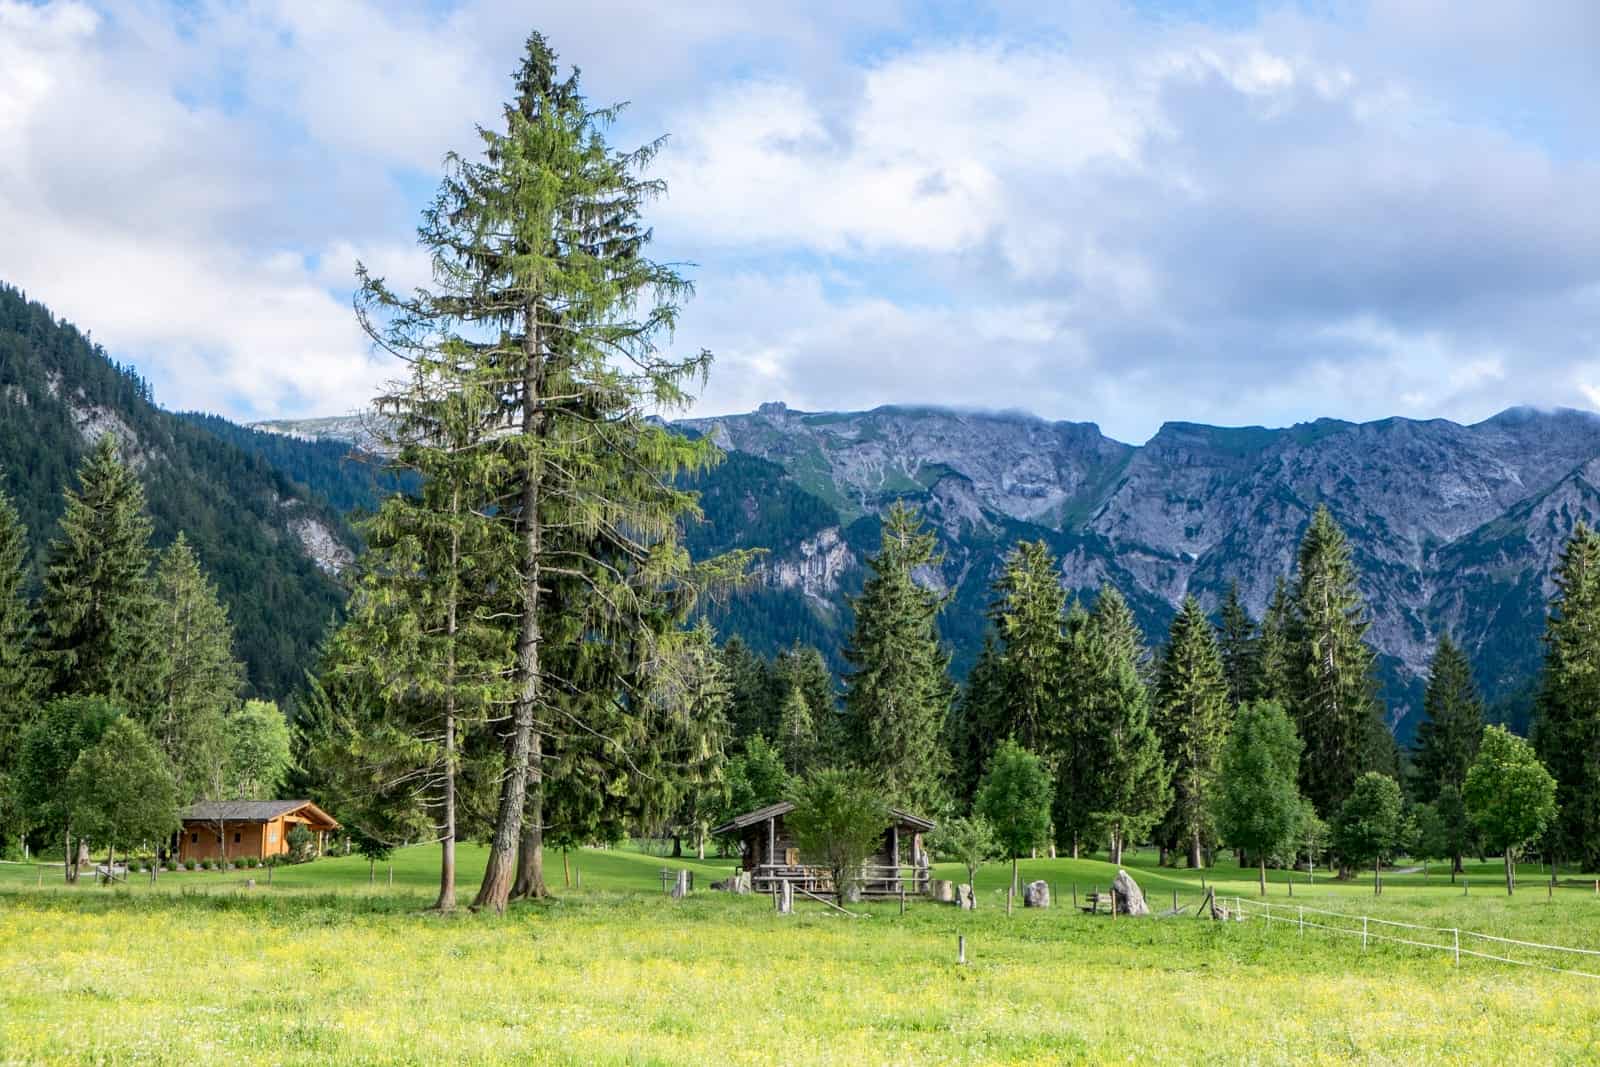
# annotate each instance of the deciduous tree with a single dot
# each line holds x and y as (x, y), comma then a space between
(1509, 796)
(1015, 800)
(1258, 802)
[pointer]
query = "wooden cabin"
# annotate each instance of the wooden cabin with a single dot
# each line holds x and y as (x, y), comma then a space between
(236, 829)
(769, 852)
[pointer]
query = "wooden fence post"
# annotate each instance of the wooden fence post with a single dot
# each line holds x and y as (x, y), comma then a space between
(1363, 933)
(961, 948)
(1457, 935)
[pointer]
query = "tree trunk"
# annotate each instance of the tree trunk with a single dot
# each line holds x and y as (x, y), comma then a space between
(372, 870)
(566, 870)
(495, 890)
(677, 846)
(1455, 867)
(447, 839)
(111, 862)
(1511, 874)
(1013, 875)
(1263, 869)
(699, 843)
(1377, 877)
(1074, 846)
(1196, 857)
(68, 868)
(530, 852)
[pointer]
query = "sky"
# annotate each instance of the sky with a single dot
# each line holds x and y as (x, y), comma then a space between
(1120, 213)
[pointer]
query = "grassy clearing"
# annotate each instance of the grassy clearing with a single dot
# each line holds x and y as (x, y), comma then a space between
(323, 969)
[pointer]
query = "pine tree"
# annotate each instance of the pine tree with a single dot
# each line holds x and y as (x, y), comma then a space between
(1567, 730)
(547, 307)
(1029, 605)
(98, 609)
(972, 730)
(1110, 775)
(1335, 691)
(1239, 643)
(898, 693)
(1452, 724)
(751, 710)
(199, 678)
(20, 677)
(1274, 648)
(797, 734)
(802, 667)
(1192, 721)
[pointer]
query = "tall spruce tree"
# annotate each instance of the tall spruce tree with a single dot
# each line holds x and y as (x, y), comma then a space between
(797, 733)
(424, 621)
(1239, 643)
(1192, 718)
(1077, 768)
(972, 728)
(1567, 731)
(1130, 782)
(1335, 689)
(20, 677)
(98, 609)
(1452, 723)
(199, 678)
(1027, 613)
(751, 710)
(898, 692)
(803, 667)
(1274, 648)
(549, 307)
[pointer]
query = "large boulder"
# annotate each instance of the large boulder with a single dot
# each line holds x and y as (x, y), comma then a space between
(966, 897)
(680, 886)
(943, 890)
(738, 882)
(1129, 898)
(1036, 895)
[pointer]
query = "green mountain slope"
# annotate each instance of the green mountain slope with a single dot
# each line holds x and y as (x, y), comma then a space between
(271, 548)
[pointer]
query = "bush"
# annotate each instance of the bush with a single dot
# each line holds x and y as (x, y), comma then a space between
(252, 863)
(188, 865)
(302, 844)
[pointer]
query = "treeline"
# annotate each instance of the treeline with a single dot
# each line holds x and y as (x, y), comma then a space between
(119, 690)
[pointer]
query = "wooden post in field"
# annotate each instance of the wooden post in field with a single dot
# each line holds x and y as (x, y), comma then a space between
(1363, 933)
(391, 874)
(1075, 893)
(961, 948)
(1291, 884)
(1457, 935)
(1010, 892)
(902, 899)
(1302, 910)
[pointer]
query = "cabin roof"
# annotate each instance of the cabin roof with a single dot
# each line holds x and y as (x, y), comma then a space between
(255, 811)
(784, 807)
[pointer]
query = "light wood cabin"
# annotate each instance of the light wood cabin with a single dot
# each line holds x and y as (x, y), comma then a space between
(769, 852)
(237, 829)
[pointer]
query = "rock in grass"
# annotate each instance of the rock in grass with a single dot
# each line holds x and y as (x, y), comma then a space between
(966, 897)
(943, 890)
(1036, 894)
(1129, 898)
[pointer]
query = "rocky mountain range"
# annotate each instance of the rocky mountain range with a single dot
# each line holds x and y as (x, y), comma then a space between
(1454, 528)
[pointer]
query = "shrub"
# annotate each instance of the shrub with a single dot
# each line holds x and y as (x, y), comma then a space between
(188, 865)
(252, 863)
(302, 844)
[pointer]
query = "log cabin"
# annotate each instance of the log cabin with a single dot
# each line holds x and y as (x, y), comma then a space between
(237, 829)
(771, 855)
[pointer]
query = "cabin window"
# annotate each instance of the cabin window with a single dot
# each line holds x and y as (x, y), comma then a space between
(194, 839)
(272, 834)
(236, 838)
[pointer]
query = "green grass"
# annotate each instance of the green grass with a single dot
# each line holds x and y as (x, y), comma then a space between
(323, 968)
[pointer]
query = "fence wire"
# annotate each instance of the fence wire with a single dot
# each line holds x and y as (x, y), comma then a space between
(1295, 915)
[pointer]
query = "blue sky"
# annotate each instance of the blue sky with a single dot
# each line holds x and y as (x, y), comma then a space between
(1119, 213)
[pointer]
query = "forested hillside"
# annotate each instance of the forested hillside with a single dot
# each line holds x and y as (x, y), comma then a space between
(270, 547)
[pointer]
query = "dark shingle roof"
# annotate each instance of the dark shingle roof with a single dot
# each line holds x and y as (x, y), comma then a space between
(243, 810)
(784, 807)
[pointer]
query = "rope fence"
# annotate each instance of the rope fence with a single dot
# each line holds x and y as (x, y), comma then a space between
(1453, 940)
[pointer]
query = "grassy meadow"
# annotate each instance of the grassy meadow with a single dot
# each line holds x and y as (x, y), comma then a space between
(325, 968)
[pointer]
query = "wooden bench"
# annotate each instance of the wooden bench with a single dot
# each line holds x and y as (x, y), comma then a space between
(1094, 900)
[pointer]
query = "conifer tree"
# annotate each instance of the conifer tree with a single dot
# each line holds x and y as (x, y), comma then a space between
(1027, 613)
(20, 677)
(1110, 776)
(1567, 731)
(1274, 648)
(98, 608)
(1239, 643)
(750, 684)
(797, 735)
(1452, 724)
(971, 732)
(1192, 721)
(802, 667)
(199, 678)
(898, 693)
(1335, 699)
(549, 308)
